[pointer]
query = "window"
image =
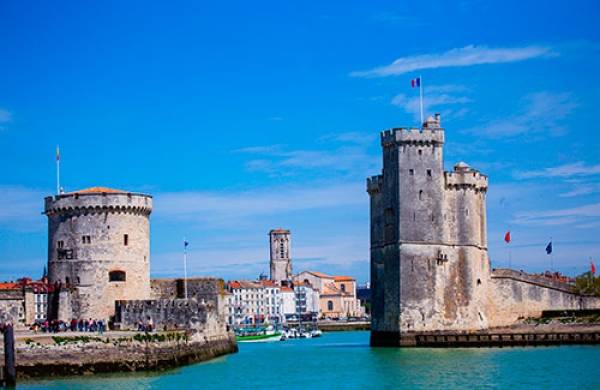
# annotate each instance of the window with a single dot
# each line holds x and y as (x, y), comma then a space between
(411, 172)
(343, 287)
(125, 239)
(281, 250)
(330, 305)
(429, 173)
(117, 276)
(86, 239)
(60, 244)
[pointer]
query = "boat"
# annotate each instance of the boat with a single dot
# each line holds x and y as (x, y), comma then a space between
(255, 335)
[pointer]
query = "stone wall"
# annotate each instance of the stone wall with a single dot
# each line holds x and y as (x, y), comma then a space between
(34, 360)
(204, 308)
(207, 289)
(513, 295)
(170, 314)
(11, 301)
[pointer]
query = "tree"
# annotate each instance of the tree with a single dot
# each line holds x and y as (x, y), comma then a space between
(587, 284)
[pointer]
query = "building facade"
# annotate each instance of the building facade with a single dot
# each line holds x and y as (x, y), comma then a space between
(255, 303)
(336, 294)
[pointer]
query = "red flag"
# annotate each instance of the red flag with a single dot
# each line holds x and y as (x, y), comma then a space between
(593, 268)
(507, 236)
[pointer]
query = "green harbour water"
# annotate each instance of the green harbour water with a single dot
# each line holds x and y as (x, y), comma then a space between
(344, 360)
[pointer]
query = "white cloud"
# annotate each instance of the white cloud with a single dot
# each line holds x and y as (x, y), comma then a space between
(465, 56)
(567, 170)
(20, 209)
(442, 97)
(220, 209)
(541, 112)
(349, 155)
(565, 216)
(5, 116)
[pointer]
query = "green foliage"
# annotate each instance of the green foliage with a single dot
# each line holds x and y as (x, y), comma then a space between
(76, 339)
(542, 320)
(367, 307)
(586, 284)
(567, 320)
(159, 337)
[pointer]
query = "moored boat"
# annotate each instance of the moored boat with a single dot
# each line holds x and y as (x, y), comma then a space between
(257, 335)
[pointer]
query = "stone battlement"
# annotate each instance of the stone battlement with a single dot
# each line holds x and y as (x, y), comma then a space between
(403, 135)
(466, 178)
(98, 202)
(430, 134)
(538, 280)
(374, 184)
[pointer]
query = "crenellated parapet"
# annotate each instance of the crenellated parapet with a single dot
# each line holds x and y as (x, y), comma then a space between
(430, 134)
(374, 185)
(464, 177)
(101, 200)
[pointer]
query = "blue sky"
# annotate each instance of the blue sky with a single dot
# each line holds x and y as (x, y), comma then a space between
(240, 117)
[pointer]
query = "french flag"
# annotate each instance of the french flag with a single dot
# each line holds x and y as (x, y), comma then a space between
(416, 82)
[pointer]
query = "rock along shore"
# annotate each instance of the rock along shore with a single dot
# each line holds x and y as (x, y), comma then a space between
(65, 354)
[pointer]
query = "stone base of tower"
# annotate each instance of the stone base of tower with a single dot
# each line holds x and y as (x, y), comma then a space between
(392, 339)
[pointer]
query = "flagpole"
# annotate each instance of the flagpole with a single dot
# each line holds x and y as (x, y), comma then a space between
(185, 269)
(421, 98)
(57, 170)
(551, 257)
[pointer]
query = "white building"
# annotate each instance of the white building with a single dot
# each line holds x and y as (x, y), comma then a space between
(255, 302)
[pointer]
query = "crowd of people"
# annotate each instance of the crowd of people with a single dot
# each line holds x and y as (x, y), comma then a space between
(89, 325)
(81, 325)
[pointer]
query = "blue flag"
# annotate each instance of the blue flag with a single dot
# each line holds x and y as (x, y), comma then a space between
(549, 248)
(185, 244)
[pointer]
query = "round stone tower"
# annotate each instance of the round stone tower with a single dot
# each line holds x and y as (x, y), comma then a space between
(98, 251)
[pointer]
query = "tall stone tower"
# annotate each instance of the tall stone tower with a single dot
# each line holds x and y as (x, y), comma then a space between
(429, 264)
(281, 263)
(98, 251)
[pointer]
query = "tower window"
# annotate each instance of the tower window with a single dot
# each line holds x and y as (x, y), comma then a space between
(281, 250)
(60, 244)
(117, 276)
(420, 152)
(125, 239)
(330, 305)
(86, 239)
(411, 172)
(421, 195)
(429, 173)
